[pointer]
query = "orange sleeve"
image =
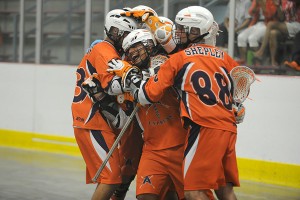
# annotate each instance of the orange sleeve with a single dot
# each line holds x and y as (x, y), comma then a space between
(100, 59)
(157, 85)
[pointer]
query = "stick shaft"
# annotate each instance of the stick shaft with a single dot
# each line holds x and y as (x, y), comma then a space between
(115, 144)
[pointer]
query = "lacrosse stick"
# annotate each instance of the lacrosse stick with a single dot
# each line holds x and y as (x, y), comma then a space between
(115, 144)
(242, 78)
(155, 63)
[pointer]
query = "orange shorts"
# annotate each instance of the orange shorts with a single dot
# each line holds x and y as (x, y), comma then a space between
(210, 159)
(159, 168)
(130, 149)
(94, 146)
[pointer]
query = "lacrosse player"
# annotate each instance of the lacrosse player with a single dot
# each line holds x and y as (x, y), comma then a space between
(201, 74)
(92, 132)
(161, 161)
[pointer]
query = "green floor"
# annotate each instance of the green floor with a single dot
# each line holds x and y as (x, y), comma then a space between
(30, 175)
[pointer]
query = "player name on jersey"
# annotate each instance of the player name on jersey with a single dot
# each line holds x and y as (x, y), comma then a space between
(206, 51)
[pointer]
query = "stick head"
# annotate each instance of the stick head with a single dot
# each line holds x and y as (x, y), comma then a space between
(155, 63)
(242, 78)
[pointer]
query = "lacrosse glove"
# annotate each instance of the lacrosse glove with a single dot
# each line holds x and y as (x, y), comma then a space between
(239, 113)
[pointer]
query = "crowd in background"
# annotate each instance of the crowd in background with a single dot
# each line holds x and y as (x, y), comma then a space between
(266, 35)
(262, 31)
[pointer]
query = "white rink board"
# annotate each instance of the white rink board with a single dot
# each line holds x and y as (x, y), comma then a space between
(37, 98)
(271, 128)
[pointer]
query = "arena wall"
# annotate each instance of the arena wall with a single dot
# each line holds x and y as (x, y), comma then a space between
(35, 113)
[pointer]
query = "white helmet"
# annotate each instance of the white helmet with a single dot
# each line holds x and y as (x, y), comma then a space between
(196, 16)
(138, 35)
(211, 39)
(147, 8)
(114, 19)
(139, 58)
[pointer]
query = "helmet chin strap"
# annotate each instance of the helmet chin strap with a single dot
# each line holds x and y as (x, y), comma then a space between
(108, 34)
(196, 40)
(199, 38)
(117, 44)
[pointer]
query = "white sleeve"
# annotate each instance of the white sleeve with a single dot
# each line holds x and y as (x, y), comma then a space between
(141, 95)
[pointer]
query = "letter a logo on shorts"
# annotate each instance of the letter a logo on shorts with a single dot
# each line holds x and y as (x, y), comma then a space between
(147, 179)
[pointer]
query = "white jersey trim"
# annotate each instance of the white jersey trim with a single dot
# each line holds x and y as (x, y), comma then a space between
(141, 95)
(100, 151)
(189, 157)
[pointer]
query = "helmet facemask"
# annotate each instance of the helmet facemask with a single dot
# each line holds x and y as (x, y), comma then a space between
(139, 53)
(180, 35)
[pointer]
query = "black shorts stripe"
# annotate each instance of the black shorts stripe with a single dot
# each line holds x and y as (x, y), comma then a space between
(100, 139)
(193, 133)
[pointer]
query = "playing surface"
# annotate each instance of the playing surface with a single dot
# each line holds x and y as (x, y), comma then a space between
(31, 175)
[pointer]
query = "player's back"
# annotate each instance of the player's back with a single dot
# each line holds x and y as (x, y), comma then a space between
(85, 112)
(206, 96)
(202, 74)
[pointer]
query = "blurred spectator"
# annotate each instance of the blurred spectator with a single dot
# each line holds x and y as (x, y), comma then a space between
(277, 31)
(262, 12)
(242, 20)
(295, 58)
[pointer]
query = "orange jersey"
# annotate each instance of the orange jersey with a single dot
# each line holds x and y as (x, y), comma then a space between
(201, 73)
(161, 123)
(85, 113)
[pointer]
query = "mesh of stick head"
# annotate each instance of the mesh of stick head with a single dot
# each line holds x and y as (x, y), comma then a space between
(155, 63)
(242, 78)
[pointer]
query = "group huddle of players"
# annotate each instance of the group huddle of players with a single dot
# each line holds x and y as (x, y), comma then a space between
(181, 142)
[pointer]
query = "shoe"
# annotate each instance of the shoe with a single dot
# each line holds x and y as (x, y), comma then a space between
(293, 65)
